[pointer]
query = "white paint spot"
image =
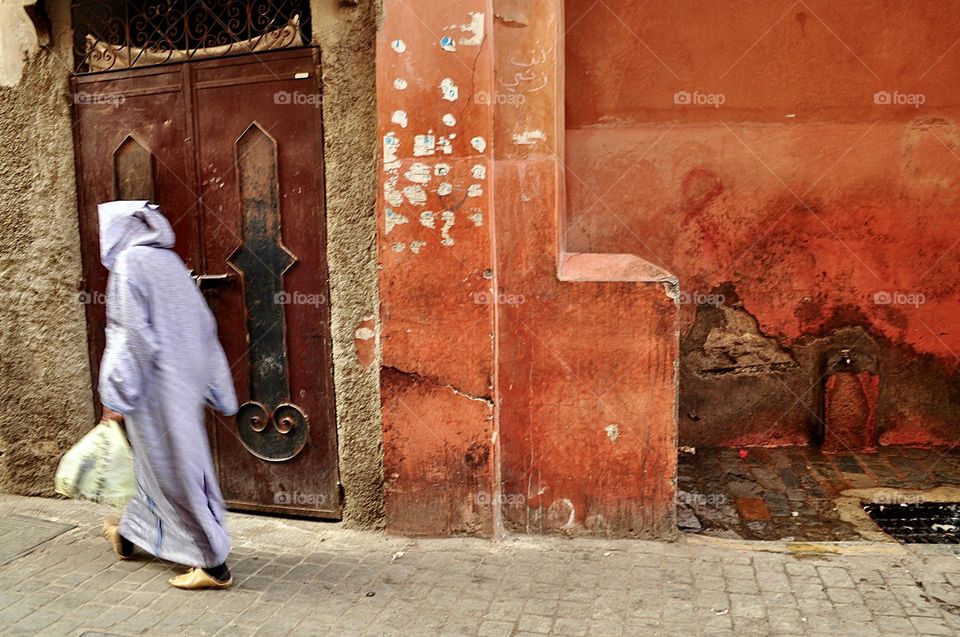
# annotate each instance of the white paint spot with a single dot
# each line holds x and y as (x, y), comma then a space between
(400, 84)
(448, 220)
(418, 173)
(424, 145)
(559, 507)
(475, 190)
(447, 43)
(416, 195)
(445, 146)
(441, 170)
(393, 196)
(479, 171)
(399, 46)
(479, 144)
(474, 28)
(476, 218)
(427, 219)
(444, 189)
(301, 76)
(613, 432)
(449, 90)
(449, 119)
(400, 118)
(398, 247)
(529, 137)
(393, 219)
(391, 144)
(365, 333)
(416, 246)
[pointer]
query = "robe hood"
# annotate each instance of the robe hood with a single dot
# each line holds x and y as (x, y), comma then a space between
(124, 224)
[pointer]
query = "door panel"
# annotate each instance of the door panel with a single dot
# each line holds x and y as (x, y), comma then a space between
(124, 125)
(262, 205)
(253, 225)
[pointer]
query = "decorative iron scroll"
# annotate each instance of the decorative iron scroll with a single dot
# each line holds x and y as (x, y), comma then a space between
(262, 261)
(117, 34)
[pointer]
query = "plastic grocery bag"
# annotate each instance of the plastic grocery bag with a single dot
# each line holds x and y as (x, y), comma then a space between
(99, 467)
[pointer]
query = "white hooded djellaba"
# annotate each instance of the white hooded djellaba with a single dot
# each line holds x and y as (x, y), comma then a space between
(162, 365)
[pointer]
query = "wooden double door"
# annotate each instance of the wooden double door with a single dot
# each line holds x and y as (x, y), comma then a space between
(231, 150)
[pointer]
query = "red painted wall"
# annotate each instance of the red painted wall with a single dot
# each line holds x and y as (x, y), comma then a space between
(796, 166)
(437, 347)
(523, 389)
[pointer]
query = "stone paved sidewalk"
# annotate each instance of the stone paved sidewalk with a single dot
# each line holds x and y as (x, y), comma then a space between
(308, 578)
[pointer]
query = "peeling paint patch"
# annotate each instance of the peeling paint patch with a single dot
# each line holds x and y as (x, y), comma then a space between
(479, 171)
(613, 432)
(477, 218)
(447, 43)
(529, 137)
(444, 189)
(474, 28)
(424, 145)
(416, 195)
(445, 146)
(418, 173)
(449, 218)
(449, 119)
(399, 46)
(391, 144)
(390, 193)
(399, 118)
(441, 170)
(560, 508)
(392, 220)
(475, 190)
(398, 247)
(416, 246)
(449, 90)
(427, 219)
(479, 144)
(364, 344)
(400, 84)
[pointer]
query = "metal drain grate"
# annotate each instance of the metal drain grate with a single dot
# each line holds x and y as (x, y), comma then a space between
(20, 534)
(918, 523)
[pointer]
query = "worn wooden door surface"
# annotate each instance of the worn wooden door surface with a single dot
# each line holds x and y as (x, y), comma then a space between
(232, 151)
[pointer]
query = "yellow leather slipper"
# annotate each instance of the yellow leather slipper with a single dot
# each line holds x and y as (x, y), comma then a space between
(197, 578)
(111, 531)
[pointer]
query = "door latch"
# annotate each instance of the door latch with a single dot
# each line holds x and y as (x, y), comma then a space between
(207, 281)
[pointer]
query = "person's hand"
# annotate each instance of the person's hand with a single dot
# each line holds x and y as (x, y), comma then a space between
(109, 414)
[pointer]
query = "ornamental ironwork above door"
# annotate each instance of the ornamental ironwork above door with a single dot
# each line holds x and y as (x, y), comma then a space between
(119, 34)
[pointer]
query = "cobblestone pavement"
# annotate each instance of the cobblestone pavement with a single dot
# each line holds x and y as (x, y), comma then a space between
(308, 578)
(790, 492)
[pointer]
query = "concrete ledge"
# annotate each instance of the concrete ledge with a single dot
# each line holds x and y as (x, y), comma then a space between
(587, 266)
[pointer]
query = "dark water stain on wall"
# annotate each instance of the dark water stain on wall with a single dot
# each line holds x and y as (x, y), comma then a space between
(741, 387)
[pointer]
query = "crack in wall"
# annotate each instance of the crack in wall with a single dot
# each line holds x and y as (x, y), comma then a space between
(431, 381)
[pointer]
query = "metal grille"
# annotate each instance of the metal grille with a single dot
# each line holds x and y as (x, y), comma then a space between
(918, 523)
(118, 34)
